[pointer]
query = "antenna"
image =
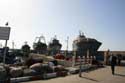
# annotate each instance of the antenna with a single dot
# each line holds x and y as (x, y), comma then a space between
(67, 42)
(13, 44)
(25, 42)
(80, 32)
(55, 37)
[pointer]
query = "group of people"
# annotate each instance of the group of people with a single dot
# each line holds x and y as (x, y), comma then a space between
(113, 62)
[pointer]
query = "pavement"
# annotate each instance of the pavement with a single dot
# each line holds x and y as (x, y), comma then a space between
(102, 75)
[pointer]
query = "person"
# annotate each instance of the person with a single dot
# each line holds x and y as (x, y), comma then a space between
(113, 61)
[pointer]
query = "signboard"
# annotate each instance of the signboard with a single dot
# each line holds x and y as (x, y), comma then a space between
(4, 33)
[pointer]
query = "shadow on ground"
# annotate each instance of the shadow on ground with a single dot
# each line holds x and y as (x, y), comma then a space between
(119, 75)
(89, 79)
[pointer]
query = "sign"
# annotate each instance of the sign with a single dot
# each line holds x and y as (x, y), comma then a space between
(4, 33)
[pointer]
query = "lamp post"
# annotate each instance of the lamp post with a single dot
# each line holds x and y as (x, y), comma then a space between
(80, 67)
(5, 51)
(73, 59)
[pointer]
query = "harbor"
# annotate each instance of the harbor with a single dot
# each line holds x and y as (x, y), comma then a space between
(65, 41)
(47, 62)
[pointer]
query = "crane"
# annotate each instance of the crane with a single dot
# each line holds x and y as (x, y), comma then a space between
(40, 38)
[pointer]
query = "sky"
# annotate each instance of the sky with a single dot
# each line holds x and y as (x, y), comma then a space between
(103, 20)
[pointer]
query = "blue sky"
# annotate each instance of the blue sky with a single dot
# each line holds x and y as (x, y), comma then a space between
(103, 20)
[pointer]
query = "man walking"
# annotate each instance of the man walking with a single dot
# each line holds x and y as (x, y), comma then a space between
(113, 60)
